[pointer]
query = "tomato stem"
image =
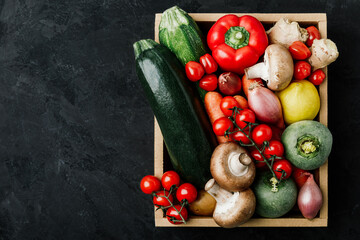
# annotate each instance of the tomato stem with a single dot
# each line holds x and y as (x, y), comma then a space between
(252, 144)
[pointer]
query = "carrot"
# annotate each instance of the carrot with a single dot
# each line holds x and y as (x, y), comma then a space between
(242, 101)
(247, 82)
(212, 106)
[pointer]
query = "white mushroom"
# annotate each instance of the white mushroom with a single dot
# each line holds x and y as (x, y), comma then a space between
(232, 209)
(277, 69)
(285, 32)
(324, 52)
(232, 167)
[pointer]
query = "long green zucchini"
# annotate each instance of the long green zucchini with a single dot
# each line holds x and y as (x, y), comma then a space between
(182, 119)
(180, 33)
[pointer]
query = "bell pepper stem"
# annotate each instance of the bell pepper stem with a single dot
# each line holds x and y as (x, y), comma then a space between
(237, 37)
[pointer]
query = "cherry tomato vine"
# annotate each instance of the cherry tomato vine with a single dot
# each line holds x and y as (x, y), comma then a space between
(249, 125)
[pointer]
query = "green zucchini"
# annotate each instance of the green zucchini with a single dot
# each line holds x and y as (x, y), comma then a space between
(182, 119)
(180, 33)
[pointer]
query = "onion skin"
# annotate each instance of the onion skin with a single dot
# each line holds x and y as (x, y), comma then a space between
(310, 198)
(266, 105)
(229, 83)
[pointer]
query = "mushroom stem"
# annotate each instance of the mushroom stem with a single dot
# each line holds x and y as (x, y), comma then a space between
(244, 159)
(259, 70)
(220, 194)
(236, 166)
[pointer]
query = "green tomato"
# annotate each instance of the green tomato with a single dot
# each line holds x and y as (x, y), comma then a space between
(307, 144)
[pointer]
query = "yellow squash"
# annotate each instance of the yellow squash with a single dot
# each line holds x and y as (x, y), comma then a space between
(300, 101)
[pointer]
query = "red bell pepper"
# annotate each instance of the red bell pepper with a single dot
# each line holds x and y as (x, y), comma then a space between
(237, 42)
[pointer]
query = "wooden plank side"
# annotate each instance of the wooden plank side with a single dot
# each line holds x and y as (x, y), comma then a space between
(254, 222)
(195, 221)
(264, 17)
(323, 118)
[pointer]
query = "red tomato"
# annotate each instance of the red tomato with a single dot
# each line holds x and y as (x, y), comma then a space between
(221, 125)
(209, 82)
(173, 216)
(300, 176)
(261, 133)
(150, 184)
(299, 51)
(275, 148)
(209, 64)
(226, 105)
(282, 165)
(240, 136)
(186, 191)
(259, 160)
(276, 132)
(160, 199)
(169, 179)
(194, 71)
(302, 70)
(246, 115)
(313, 34)
(317, 77)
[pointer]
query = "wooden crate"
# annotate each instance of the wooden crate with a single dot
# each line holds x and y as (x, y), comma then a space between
(294, 218)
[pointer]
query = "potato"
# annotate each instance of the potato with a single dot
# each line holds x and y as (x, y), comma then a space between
(204, 205)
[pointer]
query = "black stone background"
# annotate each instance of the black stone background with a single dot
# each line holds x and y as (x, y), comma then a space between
(76, 132)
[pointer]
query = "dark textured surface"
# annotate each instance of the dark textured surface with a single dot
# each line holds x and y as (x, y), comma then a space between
(77, 132)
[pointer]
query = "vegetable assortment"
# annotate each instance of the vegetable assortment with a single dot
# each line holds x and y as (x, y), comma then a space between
(261, 114)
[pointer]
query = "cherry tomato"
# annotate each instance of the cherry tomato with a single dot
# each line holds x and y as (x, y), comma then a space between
(313, 34)
(299, 176)
(169, 179)
(276, 132)
(221, 125)
(240, 136)
(209, 82)
(259, 160)
(160, 199)
(226, 104)
(209, 64)
(246, 115)
(302, 70)
(299, 51)
(194, 71)
(171, 214)
(317, 77)
(261, 133)
(282, 165)
(275, 148)
(150, 184)
(186, 191)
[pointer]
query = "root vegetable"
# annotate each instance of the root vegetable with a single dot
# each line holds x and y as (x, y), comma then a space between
(204, 205)
(310, 198)
(246, 83)
(229, 83)
(266, 105)
(212, 106)
(277, 69)
(241, 101)
(285, 32)
(232, 209)
(324, 52)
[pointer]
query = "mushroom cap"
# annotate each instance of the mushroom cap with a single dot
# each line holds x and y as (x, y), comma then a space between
(280, 66)
(237, 210)
(224, 174)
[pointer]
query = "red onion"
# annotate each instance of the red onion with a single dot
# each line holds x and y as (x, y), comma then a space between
(229, 83)
(310, 198)
(266, 105)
